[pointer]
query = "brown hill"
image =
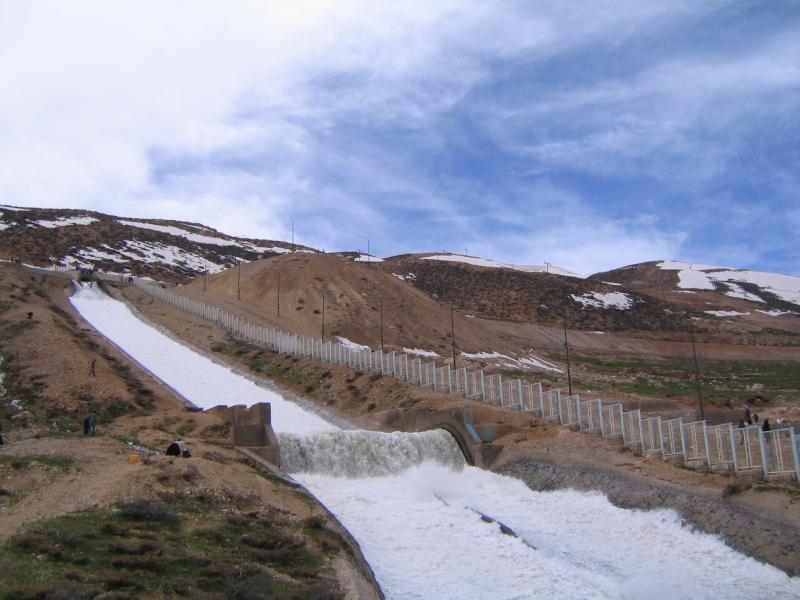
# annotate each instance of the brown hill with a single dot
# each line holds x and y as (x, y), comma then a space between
(354, 293)
(545, 298)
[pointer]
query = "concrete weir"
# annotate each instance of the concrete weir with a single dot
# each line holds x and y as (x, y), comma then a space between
(477, 448)
(252, 429)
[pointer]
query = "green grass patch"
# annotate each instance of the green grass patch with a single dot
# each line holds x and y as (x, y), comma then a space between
(720, 380)
(187, 547)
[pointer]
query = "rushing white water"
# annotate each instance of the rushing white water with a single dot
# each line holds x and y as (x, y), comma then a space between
(367, 453)
(431, 529)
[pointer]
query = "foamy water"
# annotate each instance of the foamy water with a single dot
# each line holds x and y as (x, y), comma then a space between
(197, 378)
(417, 512)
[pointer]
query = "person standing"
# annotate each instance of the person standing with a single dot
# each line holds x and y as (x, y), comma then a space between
(93, 372)
(747, 410)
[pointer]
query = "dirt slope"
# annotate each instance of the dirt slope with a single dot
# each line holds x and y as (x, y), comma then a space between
(354, 293)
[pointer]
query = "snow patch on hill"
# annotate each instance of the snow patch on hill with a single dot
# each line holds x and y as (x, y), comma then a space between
(136, 250)
(616, 300)
(726, 313)
(63, 222)
(483, 262)
(351, 345)
(367, 258)
(775, 313)
(702, 277)
(737, 291)
(169, 229)
(503, 360)
(418, 352)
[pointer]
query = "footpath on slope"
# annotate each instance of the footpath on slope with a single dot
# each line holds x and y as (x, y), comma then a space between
(54, 480)
(760, 519)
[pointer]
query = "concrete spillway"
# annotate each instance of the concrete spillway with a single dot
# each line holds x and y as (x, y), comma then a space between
(430, 526)
(367, 453)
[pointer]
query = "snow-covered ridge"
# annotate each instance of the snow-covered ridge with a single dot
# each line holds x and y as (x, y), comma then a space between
(617, 300)
(483, 262)
(202, 239)
(702, 277)
(152, 252)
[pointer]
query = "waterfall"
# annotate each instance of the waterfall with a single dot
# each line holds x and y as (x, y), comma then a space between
(367, 453)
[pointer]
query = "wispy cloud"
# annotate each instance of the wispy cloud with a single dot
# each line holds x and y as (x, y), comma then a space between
(591, 134)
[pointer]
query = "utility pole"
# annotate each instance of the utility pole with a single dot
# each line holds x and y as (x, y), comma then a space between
(323, 314)
(279, 294)
(381, 323)
(697, 378)
(369, 260)
(238, 281)
(205, 276)
(292, 235)
(547, 266)
(566, 347)
(453, 335)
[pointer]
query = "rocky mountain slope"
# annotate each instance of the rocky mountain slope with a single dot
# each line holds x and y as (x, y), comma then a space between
(167, 250)
(500, 292)
(664, 299)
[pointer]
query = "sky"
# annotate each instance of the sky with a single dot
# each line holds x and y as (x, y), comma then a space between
(590, 135)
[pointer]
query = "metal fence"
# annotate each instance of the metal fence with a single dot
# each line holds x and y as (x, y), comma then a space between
(721, 447)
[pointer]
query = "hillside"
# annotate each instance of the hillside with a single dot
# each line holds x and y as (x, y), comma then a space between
(657, 300)
(356, 295)
(167, 250)
(502, 292)
(733, 303)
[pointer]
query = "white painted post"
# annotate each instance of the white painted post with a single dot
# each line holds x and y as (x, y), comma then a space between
(708, 450)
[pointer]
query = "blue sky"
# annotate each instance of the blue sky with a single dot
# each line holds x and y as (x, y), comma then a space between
(588, 134)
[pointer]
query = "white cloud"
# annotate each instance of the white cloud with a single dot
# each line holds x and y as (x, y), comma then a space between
(244, 114)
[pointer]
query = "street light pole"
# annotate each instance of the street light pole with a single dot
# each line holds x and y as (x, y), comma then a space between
(238, 281)
(279, 294)
(323, 314)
